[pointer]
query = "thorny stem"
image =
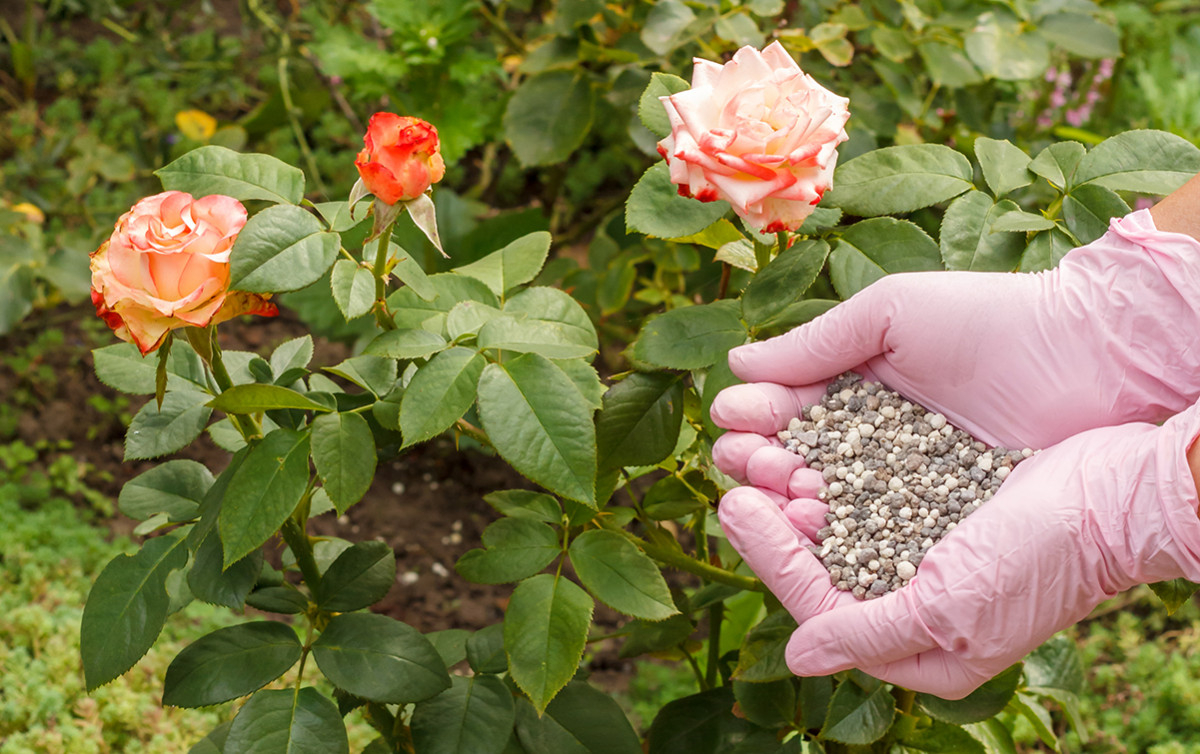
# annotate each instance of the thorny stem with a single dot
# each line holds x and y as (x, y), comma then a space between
(716, 614)
(297, 539)
(677, 559)
(382, 316)
(700, 679)
(247, 425)
(470, 430)
(723, 288)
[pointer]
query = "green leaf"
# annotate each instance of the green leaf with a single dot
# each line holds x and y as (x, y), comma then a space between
(126, 609)
(650, 108)
(282, 248)
(485, 650)
(353, 288)
(380, 658)
(1005, 166)
(545, 629)
(1038, 717)
(538, 421)
(405, 344)
(1174, 593)
(670, 497)
(548, 117)
(451, 644)
(474, 716)
(655, 207)
(1057, 163)
(343, 450)
(254, 399)
(1003, 49)
(762, 656)
(516, 548)
(536, 506)
(858, 717)
(968, 242)
(467, 318)
(665, 25)
(412, 310)
(439, 394)
(1019, 221)
(899, 179)
(359, 577)
(656, 636)
(594, 719)
(947, 64)
(784, 280)
(994, 735)
(217, 170)
(557, 309)
(292, 354)
(541, 734)
(941, 738)
(155, 432)
(621, 576)
(586, 380)
(691, 337)
(1149, 162)
(770, 705)
(1046, 250)
(815, 695)
(640, 420)
(1057, 664)
(550, 339)
(122, 367)
(373, 373)
(263, 492)
(210, 582)
(285, 721)
(175, 488)
(698, 724)
(980, 704)
(1088, 209)
(214, 742)
(873, 248)
(1081, 34)
(230, 662)
(517, 263)
(278, 599)
(411, 273)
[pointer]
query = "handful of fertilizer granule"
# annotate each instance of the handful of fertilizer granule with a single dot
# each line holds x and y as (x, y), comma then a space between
(897, 479)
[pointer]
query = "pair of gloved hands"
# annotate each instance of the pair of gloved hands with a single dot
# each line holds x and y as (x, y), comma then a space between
(1078, 362)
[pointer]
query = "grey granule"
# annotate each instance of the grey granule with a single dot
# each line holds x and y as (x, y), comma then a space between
(897, 477)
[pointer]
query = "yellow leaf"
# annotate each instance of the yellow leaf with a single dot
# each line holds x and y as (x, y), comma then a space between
(196, 124)
(31, 212)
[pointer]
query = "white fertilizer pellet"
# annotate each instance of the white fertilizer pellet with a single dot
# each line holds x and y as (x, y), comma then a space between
(897, 479)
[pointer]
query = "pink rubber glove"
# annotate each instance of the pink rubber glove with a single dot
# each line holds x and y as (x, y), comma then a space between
(1020, 360)
(1070, 527)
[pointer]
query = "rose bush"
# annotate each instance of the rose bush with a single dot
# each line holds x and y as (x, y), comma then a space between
(757, 132)
(166, 266)
(401, 158)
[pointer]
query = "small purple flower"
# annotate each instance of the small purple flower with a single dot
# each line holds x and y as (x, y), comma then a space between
(1106, 67)
(1058, 98)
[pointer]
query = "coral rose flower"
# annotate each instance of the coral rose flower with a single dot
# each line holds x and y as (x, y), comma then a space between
(757, 132)
(166, 266)
(401, 158)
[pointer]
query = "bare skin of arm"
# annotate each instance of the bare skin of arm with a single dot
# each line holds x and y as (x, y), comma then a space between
(1180, 212)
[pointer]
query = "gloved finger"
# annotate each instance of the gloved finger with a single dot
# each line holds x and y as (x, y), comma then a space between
(807, 515)
(936, 672)
(762, 534)
(858, 634)
(762, 407)
(805, 482)
(772, 468)
(732, 451)
(847, 335)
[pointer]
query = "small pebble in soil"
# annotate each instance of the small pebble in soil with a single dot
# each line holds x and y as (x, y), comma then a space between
(898, 478)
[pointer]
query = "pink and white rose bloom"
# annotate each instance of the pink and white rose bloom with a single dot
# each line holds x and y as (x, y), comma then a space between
(757, 132)
(166, 266)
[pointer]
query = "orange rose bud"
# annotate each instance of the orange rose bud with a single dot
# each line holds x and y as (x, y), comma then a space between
(401, 158)
(166, 266)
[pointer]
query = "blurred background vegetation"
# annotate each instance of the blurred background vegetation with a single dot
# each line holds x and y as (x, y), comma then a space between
(536, 102)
